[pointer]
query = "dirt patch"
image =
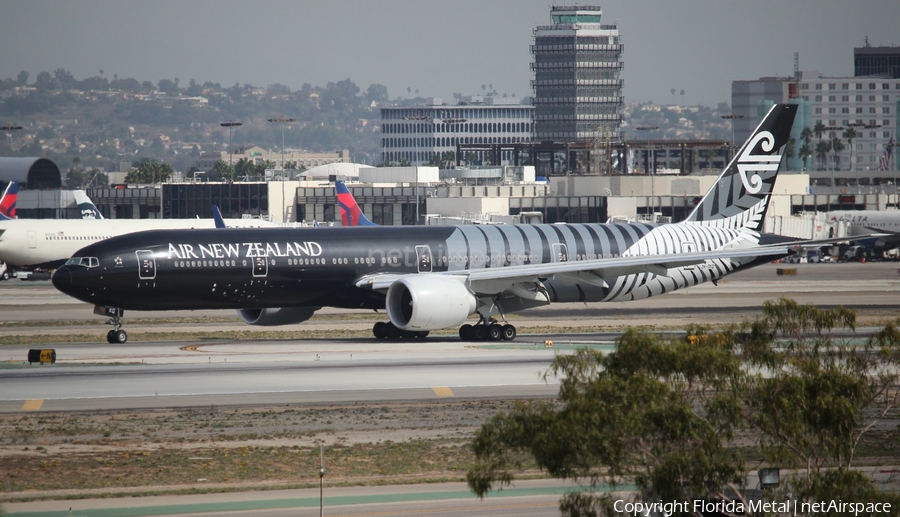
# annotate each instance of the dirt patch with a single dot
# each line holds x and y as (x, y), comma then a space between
(64, 454)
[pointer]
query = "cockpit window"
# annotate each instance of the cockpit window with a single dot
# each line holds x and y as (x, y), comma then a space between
(83, 261)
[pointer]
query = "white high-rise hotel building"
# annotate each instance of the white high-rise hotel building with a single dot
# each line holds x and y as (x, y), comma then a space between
(420, 134)
(867, 103)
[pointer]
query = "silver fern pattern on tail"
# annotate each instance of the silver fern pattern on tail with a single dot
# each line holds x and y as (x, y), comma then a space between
(741, 195)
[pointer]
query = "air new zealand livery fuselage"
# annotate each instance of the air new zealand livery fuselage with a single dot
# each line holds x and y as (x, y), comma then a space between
(430, 278)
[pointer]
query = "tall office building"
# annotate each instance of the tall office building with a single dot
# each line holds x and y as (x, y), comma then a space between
(577, 77)
(876, 61)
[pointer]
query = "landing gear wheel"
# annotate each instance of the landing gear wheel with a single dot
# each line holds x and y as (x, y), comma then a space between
(110, 336)
(380, 330)
(393, 332)
(479, 332)
(466, 332)
(421, 334)
(508, 333)
(495, 332)
(119, 336)
(5, 275)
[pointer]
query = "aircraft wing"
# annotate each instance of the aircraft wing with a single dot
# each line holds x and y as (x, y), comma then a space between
(831, 240)
(881, 232)
(592, 271)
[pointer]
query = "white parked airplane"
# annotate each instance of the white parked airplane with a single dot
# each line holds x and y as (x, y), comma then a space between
(48, 243)
(881, 225)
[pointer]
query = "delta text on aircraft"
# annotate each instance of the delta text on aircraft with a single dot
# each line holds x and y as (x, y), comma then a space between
(435, 277)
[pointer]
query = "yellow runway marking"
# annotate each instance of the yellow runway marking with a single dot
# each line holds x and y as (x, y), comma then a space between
(442, 391)
(32, 405)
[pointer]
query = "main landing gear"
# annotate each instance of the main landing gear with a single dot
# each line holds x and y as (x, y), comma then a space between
(487, 331)
(387, 330)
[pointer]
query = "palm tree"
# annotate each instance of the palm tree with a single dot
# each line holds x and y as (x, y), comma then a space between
(822, 150)
(818, 129)
(806, 149)
(790, 150)
(836, 147)
(805, 152)
(850, 133)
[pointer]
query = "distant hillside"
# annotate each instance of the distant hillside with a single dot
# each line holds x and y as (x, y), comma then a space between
(103, 122)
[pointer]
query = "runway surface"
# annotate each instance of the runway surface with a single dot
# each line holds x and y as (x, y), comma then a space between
(193, 373)
(186, 373)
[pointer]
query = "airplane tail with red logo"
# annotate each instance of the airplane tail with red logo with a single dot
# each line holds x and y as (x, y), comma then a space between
(8, 201)
(351, 214)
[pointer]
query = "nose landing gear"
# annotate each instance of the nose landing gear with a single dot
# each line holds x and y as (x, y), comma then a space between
(116, 335)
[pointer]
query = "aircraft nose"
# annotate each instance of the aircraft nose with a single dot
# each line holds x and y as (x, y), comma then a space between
(62, 279)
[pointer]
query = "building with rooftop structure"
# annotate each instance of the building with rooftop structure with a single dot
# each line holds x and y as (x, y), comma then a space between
(869, 61)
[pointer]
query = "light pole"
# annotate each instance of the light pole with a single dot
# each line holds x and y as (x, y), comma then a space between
(891, 162)
(834, 128)
(732, 117)
(850, 134)
(9, 128)
(321, 480)
(230, 125)
(651, 170)
(282, 120)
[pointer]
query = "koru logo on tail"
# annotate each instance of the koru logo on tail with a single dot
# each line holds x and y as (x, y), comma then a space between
(753, 164)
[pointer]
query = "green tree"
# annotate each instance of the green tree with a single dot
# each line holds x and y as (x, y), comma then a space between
(850, 134)
(149, 171)
(221, 172)
(81, 179)
(820, 398)
(377, 93)
(805, 153)
(836, 147)
(818, 129)
(822, 150)
(666, 415)
(707, 155)
(243, 169)
(790, 150)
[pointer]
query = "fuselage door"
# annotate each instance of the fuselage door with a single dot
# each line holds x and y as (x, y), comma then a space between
(146, 264)
(560, 253)
(260, 266)
(30, 239)
(688, 247)
(423, 259)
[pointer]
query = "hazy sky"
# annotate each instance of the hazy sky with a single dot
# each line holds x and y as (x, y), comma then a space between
(436, 47)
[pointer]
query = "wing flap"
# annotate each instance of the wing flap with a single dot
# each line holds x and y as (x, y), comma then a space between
(592, 271)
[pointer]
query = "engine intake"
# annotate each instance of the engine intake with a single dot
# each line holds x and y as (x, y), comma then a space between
(270, 317)
(429, 302)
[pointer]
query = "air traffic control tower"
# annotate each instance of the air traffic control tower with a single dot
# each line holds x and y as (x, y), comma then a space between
(577, 77)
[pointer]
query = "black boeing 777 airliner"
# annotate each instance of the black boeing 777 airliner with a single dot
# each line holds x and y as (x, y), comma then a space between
(435, 277)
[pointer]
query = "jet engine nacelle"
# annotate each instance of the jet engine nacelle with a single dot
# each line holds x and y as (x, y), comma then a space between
(271, 317)
(429, 302)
